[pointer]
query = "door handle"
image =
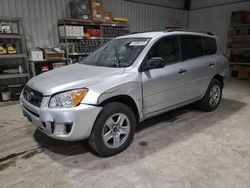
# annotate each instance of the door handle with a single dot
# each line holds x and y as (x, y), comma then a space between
(181, 71)
(211, 64)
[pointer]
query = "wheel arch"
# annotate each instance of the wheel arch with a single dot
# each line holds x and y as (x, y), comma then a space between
(124, 99)
(220, 78)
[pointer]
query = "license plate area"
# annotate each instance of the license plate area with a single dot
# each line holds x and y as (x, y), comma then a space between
(27, 116)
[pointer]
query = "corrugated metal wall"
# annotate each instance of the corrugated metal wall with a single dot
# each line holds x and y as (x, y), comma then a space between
(197, 4)
(167, 3)
(40, 17)
(216, 20)
(145, 17)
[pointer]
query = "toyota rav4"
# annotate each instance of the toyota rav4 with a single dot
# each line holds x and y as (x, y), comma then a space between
(126, 81)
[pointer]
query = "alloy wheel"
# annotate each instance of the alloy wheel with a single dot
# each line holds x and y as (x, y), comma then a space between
(214, 96)
(116, 130)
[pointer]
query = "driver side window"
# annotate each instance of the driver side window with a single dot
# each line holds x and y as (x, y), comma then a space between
(167, 48)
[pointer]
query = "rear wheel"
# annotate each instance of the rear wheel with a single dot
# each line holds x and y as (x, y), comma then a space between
(113, 130)
(212, 97)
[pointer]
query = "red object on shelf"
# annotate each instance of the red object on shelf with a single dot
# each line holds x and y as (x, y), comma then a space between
(94, 32)
(45, 68)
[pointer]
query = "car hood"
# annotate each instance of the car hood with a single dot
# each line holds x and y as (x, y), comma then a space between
(72, 77)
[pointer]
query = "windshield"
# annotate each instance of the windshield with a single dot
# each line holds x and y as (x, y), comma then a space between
(117, 53)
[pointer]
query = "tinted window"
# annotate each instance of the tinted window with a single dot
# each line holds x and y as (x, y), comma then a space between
(166, 48)
(210, 44)
(191, 47)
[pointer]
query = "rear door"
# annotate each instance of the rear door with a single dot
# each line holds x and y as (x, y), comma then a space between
(210, 46)
(199, 65)
(164, 87)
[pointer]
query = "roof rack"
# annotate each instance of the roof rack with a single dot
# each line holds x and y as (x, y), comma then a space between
(144, 31)
(186, 30)
(173, 29)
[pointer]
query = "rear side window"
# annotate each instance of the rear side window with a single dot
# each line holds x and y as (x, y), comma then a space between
(191, 47)
(210, 45)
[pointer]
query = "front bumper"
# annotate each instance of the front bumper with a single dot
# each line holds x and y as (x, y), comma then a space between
(68, 124)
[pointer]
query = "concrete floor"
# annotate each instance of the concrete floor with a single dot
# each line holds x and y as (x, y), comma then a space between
(182, 148)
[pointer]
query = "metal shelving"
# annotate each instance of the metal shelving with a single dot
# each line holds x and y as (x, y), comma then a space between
(9, 76)
(17, 60)
(78, 38)
(91, 40)
(78, 54)
(11, 36)
(7, 56)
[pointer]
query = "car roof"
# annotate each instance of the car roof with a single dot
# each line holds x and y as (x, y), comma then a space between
(143, 34)
(153, 34)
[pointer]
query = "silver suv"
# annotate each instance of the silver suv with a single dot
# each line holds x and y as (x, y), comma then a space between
(124, 82)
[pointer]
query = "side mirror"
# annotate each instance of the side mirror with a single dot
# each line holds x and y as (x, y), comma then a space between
(154, 63)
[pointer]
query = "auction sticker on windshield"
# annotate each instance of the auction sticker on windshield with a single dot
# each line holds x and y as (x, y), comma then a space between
(138, 43)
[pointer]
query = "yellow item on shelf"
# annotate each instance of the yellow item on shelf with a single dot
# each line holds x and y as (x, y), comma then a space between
(118, 19)
(86, 35)
(11, 49)
(2, 49)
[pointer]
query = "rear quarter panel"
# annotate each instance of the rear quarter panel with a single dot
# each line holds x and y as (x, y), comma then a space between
(222, 66)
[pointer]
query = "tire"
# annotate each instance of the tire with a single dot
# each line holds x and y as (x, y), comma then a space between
(110, 136)
(212, 97)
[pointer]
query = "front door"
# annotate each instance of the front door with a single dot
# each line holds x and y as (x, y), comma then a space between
(164, 87)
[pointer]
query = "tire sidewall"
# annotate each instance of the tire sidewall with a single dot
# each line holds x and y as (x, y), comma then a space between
(107, 111)
(207, 95)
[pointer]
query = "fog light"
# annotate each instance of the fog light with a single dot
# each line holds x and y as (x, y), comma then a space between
(48, 127)
(67, 128)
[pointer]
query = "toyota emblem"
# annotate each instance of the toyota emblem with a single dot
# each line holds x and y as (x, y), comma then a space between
(29, 96)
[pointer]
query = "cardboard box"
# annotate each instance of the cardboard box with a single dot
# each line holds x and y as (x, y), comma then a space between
(236, 67)
(244, 73)
(84, 17)
(35, 55)
(97, 14)
(78, 31)
(96, 4)
(240, 17)
(68, 29)
(248, 17)
(50, 54)
(107, 17)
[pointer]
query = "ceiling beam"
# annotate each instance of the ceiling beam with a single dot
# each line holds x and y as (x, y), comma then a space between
(187, 4)
(154, 4)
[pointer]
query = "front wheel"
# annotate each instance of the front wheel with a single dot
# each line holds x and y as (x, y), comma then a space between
(113, 130)
(212, 97)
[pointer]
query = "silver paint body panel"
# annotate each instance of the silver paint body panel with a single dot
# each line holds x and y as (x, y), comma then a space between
(154, 91)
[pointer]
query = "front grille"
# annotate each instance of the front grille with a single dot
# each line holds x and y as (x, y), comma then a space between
(33, 96)
(33, 113)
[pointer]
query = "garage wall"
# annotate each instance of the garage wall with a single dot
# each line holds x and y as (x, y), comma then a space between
(215, 19)
(40, 16)
(198, 4)
(146, 17)
(179, 4)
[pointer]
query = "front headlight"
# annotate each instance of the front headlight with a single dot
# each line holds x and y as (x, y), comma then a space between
(68, 99)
